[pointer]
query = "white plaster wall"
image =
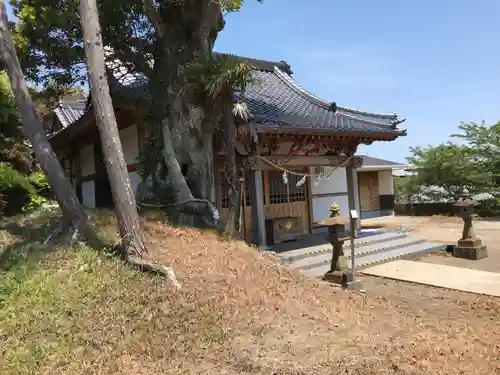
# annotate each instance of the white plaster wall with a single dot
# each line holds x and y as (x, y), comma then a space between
(88, 194)
(87, 164)
(135, 179)
(337, 183)
(321, 207)
(336, 189)
(385, 183)
(130, 144)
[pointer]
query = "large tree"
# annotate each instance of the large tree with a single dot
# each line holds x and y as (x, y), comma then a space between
(154, 38)
(123, 197)
(35, 133)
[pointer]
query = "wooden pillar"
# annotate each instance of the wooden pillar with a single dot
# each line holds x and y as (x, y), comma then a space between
(257, 199)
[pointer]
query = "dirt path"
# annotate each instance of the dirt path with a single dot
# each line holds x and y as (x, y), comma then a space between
(448, 230)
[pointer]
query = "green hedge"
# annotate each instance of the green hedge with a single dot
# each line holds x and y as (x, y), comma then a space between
(489, 208)
(486, 208)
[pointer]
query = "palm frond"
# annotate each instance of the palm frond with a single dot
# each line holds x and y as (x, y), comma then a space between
(218, 75)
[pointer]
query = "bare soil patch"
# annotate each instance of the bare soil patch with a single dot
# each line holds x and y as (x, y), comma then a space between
(279, 322)
(447, 230)
(239, 312)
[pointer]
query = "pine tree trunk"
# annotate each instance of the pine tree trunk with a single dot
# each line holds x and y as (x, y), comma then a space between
(123, 197)
(34, 131)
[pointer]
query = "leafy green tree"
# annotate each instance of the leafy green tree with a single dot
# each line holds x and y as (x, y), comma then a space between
(483, 142)
(35, 133)
(156, 38)
(407, 190)
(13, 149)
(447, 171)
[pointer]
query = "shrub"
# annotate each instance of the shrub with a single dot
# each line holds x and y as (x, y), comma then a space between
(39, 182)
(15, 190)
(35, 202)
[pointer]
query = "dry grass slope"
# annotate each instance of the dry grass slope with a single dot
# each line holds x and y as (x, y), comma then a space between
(76, 311)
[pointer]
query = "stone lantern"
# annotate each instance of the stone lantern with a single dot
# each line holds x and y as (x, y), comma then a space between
(339, 272)
(469, 246)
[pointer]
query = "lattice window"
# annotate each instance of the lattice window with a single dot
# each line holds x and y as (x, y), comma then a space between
(245, 189)
(296, 193)
(281, 193)
(224, 189)
(278, 192)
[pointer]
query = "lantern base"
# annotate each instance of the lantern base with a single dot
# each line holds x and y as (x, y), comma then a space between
(469, 242)
(472, 253)
(343, 277)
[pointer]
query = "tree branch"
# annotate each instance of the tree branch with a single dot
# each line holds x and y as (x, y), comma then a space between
(138, 59)
(154, 17)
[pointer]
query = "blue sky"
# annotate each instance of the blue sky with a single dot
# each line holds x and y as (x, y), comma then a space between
(9, 11)
(436, 62)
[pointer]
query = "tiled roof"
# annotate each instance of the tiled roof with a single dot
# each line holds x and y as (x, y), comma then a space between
(275, 100)
(68, 113)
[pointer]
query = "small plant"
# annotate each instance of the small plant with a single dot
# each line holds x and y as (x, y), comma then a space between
(41, 185)
(35, 202)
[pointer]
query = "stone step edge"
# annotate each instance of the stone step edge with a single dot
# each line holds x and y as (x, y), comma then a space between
(425, 251)
(433, 248)
(361, 254)
(410, 242)
(347, 246)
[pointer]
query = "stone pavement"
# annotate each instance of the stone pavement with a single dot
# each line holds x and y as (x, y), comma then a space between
(457, 278)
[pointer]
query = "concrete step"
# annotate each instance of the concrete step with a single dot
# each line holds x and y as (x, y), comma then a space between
(413, 251)
(326, 257)
(371, 259)
(291, 256)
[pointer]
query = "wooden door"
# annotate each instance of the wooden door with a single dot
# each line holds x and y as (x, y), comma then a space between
(369, 195)
(288, 200)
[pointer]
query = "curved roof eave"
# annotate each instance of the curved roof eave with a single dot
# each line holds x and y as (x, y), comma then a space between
(285, 128)
(292, 83)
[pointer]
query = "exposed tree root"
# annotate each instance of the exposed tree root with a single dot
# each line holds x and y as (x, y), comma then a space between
(147, 266)
(210, 216)
(58, 231)
(182, 203)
